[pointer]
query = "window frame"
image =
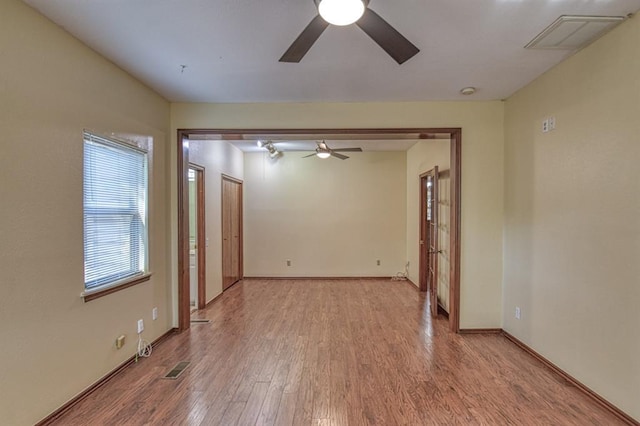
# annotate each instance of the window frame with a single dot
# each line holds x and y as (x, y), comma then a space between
(117, 283)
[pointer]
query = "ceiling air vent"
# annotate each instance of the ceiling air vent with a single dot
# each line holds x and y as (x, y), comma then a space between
(573, 32)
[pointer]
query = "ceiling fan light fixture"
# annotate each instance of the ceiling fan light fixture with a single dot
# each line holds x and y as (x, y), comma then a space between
(341, 12)
(323, 154)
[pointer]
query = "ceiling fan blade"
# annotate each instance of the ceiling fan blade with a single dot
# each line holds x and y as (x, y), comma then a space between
(305, 40)
(394, 43)
(340, 156)
(310, 155)
(348, 149)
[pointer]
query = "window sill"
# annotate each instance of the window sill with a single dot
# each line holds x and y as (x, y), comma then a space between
(90, 295)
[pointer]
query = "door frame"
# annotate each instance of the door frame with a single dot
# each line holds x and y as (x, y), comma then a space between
(240, 271)
(202, 236)
(182, 146)
(426, 243)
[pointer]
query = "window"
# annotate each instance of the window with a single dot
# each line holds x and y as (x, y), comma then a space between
(115, 212)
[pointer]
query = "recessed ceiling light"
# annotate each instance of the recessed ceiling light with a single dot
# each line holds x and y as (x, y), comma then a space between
(468, 90)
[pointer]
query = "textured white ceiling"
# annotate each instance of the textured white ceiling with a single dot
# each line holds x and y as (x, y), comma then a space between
(231, 47)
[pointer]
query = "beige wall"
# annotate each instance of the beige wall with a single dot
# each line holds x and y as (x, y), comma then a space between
(51, 88)
(572, 216)
(482, 172)
(329, 217)
(444, 237)
(217, 157)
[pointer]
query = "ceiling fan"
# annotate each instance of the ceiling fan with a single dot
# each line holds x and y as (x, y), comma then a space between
(343, 12)
(323, 151)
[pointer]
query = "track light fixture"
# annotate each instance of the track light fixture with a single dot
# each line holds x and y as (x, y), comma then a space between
(268, 145)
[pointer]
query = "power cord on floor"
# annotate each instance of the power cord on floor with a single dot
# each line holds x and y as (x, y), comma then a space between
(402, 276)
(144, 348)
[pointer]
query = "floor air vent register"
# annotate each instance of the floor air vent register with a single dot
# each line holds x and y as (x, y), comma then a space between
(177, 370)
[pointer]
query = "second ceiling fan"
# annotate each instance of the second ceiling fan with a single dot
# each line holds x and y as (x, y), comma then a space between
(348, 12)
(323, 151)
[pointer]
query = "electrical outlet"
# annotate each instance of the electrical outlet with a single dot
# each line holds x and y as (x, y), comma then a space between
(154, 314)
(378, 262)
(120, 341)
(140, 326)
(545, 125)
(517, 312)
(288, 262)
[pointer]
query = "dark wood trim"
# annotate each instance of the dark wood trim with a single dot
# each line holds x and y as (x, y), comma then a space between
(184, 309)
(240, 184)
(126, 284)
(317, 278)
(104, 379)
(341, 131)
(231, 178)
(456, 185)
(202, 235)
(480, 331)
(422, 230)
(241, 233)
(455, 229)
(586, 390)
(442, 311)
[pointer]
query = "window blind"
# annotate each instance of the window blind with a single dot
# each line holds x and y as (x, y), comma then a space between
(115, 211)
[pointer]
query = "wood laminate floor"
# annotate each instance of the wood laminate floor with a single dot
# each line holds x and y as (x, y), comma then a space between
(311, 352)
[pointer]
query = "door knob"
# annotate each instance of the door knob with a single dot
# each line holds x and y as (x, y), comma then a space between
(421, 242)
(435, 251)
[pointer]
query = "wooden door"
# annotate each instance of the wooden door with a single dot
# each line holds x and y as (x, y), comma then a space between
(429, 236)
(232, 270)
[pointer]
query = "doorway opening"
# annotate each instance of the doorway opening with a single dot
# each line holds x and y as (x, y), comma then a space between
(197, 237)
(231, 204)
(453, 135)
(435, 239)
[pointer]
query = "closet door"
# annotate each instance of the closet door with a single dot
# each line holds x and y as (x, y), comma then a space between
(231, 231)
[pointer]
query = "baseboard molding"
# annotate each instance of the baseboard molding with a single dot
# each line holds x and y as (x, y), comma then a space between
(88, 391)
(480, 331)
(210, 302)
(591, 394)
(443, 312)
(316, 278)
(412, 284)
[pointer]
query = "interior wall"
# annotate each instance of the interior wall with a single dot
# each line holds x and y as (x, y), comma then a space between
(217, 157)
(51, 88)
(572, 216)
(482, 172)
(330, 218)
